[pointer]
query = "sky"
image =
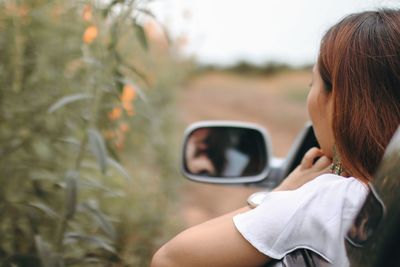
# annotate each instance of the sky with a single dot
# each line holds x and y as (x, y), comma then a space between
(224, 32)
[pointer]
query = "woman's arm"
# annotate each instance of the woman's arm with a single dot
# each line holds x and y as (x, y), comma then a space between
(214, 243)
(217, 243)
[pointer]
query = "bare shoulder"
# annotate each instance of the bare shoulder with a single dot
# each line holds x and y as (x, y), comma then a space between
(213, 243)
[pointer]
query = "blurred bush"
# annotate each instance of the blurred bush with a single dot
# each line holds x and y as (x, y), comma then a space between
(250, 69)
(84, 86)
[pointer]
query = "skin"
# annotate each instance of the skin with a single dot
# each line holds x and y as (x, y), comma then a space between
(217, 242)
(320, 108)
(199, 162)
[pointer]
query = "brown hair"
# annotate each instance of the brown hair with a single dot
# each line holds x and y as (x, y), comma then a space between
(359, 62)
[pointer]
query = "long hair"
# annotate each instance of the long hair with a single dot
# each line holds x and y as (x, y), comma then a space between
(359, 62)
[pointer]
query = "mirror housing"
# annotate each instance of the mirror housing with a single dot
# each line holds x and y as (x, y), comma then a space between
(226, 152)
(275, 169)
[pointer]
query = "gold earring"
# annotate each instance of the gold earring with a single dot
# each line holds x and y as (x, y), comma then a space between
(336, 167)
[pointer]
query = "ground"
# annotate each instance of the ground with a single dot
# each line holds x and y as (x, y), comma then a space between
(277, 102)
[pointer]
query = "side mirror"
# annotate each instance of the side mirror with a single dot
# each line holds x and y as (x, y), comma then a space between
(226, 152)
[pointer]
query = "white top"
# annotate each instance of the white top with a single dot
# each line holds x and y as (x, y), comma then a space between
(236, 162)
(315, 216)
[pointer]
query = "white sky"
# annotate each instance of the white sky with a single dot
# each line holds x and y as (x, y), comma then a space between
(225, 31)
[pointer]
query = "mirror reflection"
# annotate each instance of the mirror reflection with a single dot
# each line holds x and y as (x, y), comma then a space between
(225, 152)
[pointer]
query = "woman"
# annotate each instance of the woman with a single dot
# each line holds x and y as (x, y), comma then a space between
(354, 105)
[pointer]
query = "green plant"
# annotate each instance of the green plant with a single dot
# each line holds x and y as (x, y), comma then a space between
(82, 88)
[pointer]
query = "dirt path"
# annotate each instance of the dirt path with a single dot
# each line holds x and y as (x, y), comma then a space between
(276, 102)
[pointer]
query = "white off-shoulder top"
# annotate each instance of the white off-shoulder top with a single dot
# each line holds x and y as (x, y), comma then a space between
(316, 216)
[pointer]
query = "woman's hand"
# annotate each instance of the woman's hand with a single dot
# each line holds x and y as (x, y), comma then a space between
(313, 164)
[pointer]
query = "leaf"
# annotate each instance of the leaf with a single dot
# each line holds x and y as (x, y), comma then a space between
(71, 194)
(96, 240)
(135, 69)
(146, 12)
(98, 148)
(154, 17)
(141, 34)
(102, 221)
(44, 208)
(92, 61)
(107, 10)
(118, 75)
(119, 168)
(69, 140)
(67, 100)
(43, 251)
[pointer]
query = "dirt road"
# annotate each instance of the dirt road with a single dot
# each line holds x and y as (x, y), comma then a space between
(275, 102)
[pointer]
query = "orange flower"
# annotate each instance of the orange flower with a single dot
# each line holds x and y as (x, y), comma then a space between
(87, 13)
(15, 9)
(128, 93)
(124, 127)
(23, 10)
(115, 114)
(90, 34)
(128, 106)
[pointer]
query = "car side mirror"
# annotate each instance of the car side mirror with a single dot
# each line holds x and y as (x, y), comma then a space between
(226, 152)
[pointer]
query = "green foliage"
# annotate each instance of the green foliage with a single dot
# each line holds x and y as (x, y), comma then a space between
(82, 88)
(250, 69)
(266, 69)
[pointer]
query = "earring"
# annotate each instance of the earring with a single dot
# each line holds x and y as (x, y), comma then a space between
(336, 167)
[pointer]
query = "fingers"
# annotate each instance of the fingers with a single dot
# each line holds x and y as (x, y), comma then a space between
(310, 156)
(322, 163)
(201, 164)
